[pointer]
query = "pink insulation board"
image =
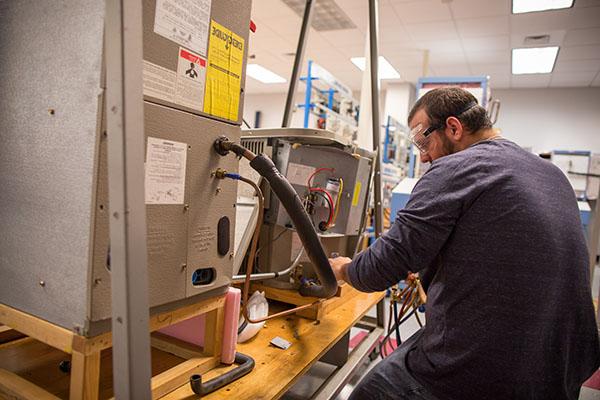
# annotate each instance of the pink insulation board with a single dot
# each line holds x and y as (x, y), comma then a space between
(192, 330)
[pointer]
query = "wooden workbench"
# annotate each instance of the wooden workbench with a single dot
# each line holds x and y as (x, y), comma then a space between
(275, 372)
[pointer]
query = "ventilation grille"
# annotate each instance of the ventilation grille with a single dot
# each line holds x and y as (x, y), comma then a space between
(256, 146)
(536, 40)
(327, 15)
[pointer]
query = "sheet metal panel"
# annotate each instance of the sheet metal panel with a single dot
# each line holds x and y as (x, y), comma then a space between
(50, 87)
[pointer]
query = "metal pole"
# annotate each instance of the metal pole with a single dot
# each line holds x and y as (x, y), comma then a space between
(374, 59)
(289, 102)
(125, 129)
(374, 55)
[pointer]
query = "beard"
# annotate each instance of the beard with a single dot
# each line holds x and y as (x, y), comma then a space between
(447, 145)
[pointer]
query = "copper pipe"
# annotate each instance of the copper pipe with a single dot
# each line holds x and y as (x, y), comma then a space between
(250, 265)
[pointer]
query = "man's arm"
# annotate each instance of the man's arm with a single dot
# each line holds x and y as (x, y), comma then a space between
(417, 236)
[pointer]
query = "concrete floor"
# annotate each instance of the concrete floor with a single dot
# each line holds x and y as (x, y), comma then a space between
(312, 380)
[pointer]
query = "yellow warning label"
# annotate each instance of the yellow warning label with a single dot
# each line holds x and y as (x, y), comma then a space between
(356, 194)
(224, 72)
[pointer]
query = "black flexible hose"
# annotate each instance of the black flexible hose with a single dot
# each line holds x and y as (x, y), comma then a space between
(304, 227)
(246, 364)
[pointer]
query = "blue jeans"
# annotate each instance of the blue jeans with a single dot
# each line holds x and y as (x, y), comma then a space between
(390, 378)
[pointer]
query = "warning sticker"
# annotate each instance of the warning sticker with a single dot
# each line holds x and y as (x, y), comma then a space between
(184, 21)
(356, 196)
(298, 174)
(224, 75)
(159, 82)
(165, 171)
(191, 77)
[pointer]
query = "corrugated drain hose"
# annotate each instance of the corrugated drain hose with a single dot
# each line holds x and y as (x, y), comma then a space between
(293, 206)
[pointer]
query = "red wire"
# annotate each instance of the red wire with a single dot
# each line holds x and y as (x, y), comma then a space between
(331, 209)
(316, 172)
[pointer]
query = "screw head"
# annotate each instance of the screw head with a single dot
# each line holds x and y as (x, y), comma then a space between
(42, 283)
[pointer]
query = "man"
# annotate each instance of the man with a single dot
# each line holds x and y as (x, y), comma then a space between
(509, 312)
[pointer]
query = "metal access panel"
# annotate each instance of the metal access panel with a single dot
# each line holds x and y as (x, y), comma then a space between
(54, 245)
(298, 162)
(183, 237)
(174, 39)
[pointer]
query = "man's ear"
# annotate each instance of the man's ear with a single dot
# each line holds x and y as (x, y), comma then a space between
(454, 129)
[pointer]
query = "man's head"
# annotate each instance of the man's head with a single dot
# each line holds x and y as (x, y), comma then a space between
(447, 120)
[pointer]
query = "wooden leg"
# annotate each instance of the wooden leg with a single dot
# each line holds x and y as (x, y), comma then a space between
(213, 334)
(85, 376)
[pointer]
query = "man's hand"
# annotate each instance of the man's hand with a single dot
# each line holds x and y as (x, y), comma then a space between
(339, 265)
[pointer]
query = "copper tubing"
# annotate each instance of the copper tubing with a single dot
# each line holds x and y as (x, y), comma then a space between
(250, 264)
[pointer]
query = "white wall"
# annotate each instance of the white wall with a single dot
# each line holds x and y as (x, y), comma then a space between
(543, 119)
(399, 98)
(271, 106)
(550, 119)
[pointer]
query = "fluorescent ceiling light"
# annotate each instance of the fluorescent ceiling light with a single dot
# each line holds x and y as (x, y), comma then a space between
(386, 71)
(525, 6)
(534, 60)
(263, 75)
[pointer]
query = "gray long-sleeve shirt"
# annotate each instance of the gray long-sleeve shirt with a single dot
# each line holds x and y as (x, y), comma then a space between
(509, 311)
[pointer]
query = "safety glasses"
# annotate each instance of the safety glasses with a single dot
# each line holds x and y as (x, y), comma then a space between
(419, 136)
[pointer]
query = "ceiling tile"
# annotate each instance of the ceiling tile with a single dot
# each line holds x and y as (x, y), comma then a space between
(352, 50)
(452, 70)
(491, 69)
(499, 80)
(404, 58)
(265, 38)
(564, 79)
(450, 59)
(535, 80)
(588, 17)
(344, 37)
(431, 31)
(387, 16)
(442, 46)
(580, 37)
(486, 26)
(266, 9)
(577, 66)
(281, 25)
(358, 15)
(556, 38)
(586, 3)
(538, 22)
(488, 57)
(422, 11)
(579, 52)
(479, 8)
(486, 43)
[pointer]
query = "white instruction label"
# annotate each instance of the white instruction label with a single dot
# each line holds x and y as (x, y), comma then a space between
(185, 22)
(165, 171)
(191, 79)
(298, 174)
(159, 82)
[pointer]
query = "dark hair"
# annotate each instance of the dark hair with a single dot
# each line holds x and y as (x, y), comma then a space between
(444, 102)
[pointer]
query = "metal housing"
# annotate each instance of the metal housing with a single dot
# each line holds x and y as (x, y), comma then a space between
(54, 245)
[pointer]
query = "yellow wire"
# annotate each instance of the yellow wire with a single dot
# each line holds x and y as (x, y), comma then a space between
(337, 201)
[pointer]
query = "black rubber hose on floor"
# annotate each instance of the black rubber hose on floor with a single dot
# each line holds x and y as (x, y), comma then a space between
(304, 227)
(245, 365)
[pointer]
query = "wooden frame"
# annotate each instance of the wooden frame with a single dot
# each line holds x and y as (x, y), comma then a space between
(85, 351)
(315, 312)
